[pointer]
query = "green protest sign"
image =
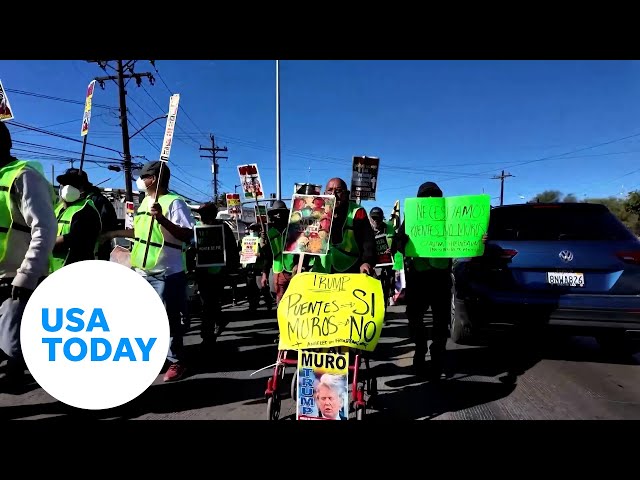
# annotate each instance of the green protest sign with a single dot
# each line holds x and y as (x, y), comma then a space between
(450, 227)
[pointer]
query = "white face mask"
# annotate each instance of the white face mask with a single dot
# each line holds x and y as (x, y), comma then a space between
(69, 194)
(141, 185)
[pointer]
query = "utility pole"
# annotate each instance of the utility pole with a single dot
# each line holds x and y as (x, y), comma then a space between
(214, 162)
(120, 77)
(501, 178)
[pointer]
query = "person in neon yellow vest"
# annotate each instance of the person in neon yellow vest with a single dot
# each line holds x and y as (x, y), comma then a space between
(353, 245)
(27, 236)
(211, 280)
(428, 285)
(79, 223)
(254, 269)
(171, 224)
(283, 264)
(381, 227)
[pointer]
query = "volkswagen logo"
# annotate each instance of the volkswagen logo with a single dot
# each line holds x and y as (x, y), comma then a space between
(566, 256)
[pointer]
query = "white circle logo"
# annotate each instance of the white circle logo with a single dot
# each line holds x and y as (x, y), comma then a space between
(95, 335)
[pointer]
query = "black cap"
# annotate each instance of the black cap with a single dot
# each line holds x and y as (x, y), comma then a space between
(376, 212)
(208, 207)
(429, 189)
(73, 177)
(279, 205)
(308, 189)
(153, 168)
(5, 137)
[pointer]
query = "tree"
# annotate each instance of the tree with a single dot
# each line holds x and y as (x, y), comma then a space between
(548, 196)
(627, 210)
(221, 201)
(632, 204)
(617, 206)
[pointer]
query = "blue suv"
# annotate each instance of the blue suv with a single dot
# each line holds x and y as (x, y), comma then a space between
(568, 264)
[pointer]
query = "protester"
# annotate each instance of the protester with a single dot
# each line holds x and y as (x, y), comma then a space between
(428, 284)
(27, 236)
(108, 216)
(161, 260)
(256, 269)
(353, 244)
(381, 227)
(283, 264)
(79, 223)
(211, 280)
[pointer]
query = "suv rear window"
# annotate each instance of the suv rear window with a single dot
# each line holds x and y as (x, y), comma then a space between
(553, 222)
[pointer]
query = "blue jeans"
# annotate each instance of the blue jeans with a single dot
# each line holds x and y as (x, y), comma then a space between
(173, 292)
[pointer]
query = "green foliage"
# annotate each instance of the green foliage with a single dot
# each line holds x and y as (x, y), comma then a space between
(626, 209)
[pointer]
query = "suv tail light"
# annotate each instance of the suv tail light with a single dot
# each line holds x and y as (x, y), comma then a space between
(506, 254)
(500, 255)
(630, 257)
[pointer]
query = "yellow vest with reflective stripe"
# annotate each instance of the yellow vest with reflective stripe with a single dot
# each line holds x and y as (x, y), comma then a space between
(345, 255)
(141, 224)
(281, 261)
(8, 175)
(65, 217)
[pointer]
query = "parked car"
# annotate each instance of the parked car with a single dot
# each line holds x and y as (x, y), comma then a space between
(570, 264)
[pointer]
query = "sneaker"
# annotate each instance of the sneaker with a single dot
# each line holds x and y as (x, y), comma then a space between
(175, 372)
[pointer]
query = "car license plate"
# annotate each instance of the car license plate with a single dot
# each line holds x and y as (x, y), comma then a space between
(563, 279)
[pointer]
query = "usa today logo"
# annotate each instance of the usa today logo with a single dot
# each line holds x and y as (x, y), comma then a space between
(95, 335)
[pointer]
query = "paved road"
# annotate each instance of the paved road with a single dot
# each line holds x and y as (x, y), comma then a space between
(566, 378)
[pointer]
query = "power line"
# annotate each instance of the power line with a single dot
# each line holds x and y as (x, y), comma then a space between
(54, 134)
(58, 99)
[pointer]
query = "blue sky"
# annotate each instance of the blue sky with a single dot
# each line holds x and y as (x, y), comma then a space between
(454, 122)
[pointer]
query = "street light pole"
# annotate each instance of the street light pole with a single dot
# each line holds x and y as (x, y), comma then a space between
(154, 120)
(278, 173)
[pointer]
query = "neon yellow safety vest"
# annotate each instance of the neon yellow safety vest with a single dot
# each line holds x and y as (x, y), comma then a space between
(65, 217)
(8, 175)
(141, 226)
(344, 256)
(281, 261)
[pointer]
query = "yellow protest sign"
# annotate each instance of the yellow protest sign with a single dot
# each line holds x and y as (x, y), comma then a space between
(330, 310)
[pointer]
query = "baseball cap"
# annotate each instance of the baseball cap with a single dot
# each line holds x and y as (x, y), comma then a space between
(73, 177)
(153, 168)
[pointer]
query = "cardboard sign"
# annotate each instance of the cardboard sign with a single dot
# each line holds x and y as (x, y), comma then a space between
(450, 227)
(210, 251)
(321, 310)
(86, 118)
(249, 253)
(323, 386)
(174, 102)
(129, 213)
(6, 113)
(261, 214)
(364, 178)
(382, 246)
(251, 182)
(309, 228)
(234, 206)
(312, 189)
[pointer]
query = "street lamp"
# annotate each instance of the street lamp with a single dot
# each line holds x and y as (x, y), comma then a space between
(235, 188)
(154, 120)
